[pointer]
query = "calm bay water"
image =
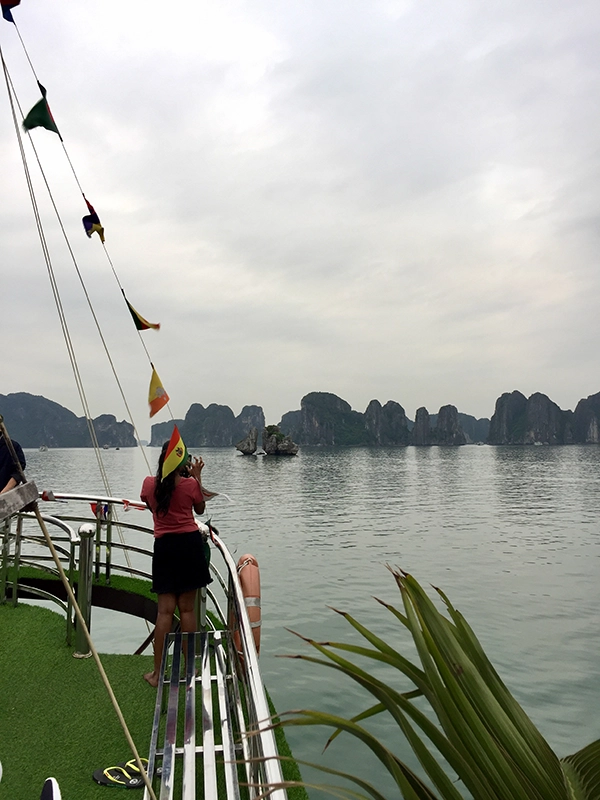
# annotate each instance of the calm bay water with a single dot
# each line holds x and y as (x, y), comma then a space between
(512, 535)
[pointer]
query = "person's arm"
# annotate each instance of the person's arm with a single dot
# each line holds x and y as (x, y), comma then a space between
(146, 491)
(199, 508)
(196, 468)
(11, 485)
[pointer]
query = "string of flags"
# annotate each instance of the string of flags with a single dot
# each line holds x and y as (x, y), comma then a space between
(40, 116)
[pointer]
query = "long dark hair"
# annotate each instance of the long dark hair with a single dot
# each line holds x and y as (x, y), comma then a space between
(164, 487)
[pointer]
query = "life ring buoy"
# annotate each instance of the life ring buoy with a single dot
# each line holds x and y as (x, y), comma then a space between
(249, 577)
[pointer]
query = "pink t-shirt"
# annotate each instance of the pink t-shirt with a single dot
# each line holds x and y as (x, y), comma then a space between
(180, 516)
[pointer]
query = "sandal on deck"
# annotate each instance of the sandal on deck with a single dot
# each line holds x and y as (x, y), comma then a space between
(133, 769)
(118, 776)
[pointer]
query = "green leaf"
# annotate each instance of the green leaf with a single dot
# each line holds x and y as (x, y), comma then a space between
(412, 789)
(483, 734)
(582, 772)
(514, 768)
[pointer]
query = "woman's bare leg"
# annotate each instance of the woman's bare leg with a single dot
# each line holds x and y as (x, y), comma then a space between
(185, 603)
(164, 623)
(187, 617)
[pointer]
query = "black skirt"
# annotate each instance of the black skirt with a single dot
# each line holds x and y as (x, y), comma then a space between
(179, 563)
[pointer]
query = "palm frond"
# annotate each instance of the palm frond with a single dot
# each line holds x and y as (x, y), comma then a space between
(483, 734)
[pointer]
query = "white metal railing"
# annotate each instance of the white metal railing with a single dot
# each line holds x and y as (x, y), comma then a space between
(260, 714)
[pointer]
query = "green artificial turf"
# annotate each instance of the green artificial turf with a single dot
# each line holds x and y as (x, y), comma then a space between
(56, 718)
(290, 768)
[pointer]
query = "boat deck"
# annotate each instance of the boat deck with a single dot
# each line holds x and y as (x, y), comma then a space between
(211, 735)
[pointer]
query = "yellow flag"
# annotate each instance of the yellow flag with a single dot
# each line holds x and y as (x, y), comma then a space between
(157, 397)
(176, 454)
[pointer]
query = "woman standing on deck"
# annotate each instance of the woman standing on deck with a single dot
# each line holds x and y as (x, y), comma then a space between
(179, 566)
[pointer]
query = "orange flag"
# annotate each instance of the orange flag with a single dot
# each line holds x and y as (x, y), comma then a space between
(157, 397)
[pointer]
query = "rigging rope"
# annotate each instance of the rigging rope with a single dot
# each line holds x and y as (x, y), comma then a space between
(110, 262)
(57, 299)
(78, 271)
(50, 269)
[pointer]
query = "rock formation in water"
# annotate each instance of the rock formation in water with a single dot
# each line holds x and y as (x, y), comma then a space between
(545, 422)
(386, 425)
(290, 423)
(276, 443)
(248, 418)
(475, 430)
(161, 431)
(208, 427)
(323, 419)
(448, 430)
(214, 426)
(443, 428)
(112, 433)
(326, 419)
(586, 420)
(507, 425)
(247, 445)
(533, 420)
(35, 421)
(421, 432)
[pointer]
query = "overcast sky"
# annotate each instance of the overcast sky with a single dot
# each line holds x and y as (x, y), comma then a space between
(376, 198)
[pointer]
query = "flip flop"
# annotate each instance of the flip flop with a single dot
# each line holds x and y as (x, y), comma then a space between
(118, 776)
(132, 767)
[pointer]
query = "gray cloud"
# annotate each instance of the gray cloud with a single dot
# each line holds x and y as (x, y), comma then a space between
(381, 199)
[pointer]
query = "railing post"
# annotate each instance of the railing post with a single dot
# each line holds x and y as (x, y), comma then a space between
(72, 566)
(98, 534)
(87, 531)
(201, 608)
(16, 560)
(5, 531)
(108, 546)
(232, 621)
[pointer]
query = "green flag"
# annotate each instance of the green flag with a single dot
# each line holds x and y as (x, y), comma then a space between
(40, 116)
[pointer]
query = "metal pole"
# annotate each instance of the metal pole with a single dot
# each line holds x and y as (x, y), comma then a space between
(98, 534)
(70, 617)
(108, 546)
(201, 609)
(87, 531)
(16, 560)
(5, 532)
